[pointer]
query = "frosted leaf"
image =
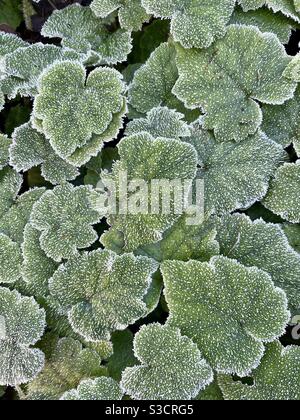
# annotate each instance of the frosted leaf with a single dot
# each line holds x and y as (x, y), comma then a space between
(95, 390)
(282, 123)
(144, 158)
(24, 324)
(195, 24)
(131, 13)
(277, 377)
(102, 292)
(10, 184)
(14, 220)
(64, 217)
(37, 268)
(73, 106)
(265, 246)
(293, 234)
(283, 195)
(292, 72)
(232, 310)
(184, 242)
(8, 44)
(10, 260)
(160, 122)
(30, 148)
(235, 175)
(66, 367)
(229, 79)
(153, 83)
(266, 21)
(171, 368)
(5, 142)
(81, 31)
(25, 65)
(287, 7)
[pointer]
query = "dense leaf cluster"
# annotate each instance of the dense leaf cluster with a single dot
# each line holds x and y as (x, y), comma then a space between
(96, 304)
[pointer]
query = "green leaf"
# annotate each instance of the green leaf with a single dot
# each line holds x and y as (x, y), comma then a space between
(37, 268)
(287, 7)
(227, 84)
(11, 13)
(153, 83)
(81, 31)
(102, 292)
(292, 72)
(95, 390)
(64, 217)
(195, 24)
(160, 122)
(282, 123)
(10, 260)
(293, 234)
(235, 175)
(277, 378)
(67, 366)
(5, 142)
(74, 106)
(23, 325)
(123, 355)
(131, 13)
(171, 368)
(144, 158)
(283, 196)
(265, 246)
(22, 76)
(211, 393)
(266, 21)
(232, 310)
(30, 148)
(10, 184)
(8, 44)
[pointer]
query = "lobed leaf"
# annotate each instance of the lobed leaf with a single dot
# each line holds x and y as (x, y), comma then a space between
(24, 324)
(277, 378)
(102, 292)
(171, 368)
(233, 310)
(95, 390)
(227, 84)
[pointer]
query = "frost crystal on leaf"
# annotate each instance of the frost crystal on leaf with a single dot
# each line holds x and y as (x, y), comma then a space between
(8, 44)
(232, 310)
(227, 83)
(24, 324)
(160, 122)
(30, 148)
(65, 217)
(196, 23)
(265, 246)
(5, 143)
(148, 159)
(68, 364)
(287, 7)
(10, 260)
(235, 175)
(102, 292)
(131, 13)
(172, 367)
(277, 378)
(83, 32)
(95, 390)
(283, 196)
(73, 107)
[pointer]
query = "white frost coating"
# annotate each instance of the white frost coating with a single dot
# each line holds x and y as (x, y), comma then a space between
(95, 390)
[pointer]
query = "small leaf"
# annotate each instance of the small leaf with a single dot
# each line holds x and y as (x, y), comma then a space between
(277, 378)
(65, 91)
(8, 44)
(95, 390)
(283, 196)
(226, 84)
(83, 32)
(64, 217)
(172, 367)
(232, 310)
(24, 324)
(131, 13)
(10, 184)
(193, 24)
(102, 292)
